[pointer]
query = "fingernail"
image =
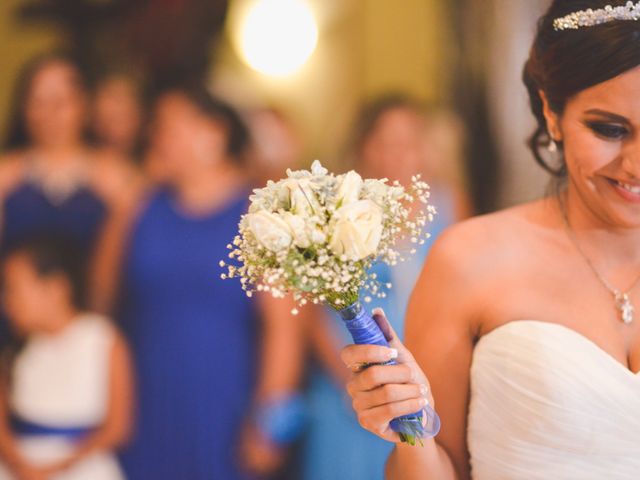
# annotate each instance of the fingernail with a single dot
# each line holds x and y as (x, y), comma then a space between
(423, 390)
(381, 319)
(424, 402)
(393, 353)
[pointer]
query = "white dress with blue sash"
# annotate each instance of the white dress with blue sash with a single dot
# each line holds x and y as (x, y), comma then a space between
(59, 393)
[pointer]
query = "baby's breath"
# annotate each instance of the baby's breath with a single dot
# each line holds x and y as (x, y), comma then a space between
(302, 211)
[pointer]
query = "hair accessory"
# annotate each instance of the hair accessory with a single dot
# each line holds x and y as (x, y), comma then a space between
(591, 18)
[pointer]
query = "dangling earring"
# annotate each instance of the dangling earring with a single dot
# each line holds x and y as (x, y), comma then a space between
(553, 146)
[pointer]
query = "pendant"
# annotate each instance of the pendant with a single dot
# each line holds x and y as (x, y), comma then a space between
(623, 303)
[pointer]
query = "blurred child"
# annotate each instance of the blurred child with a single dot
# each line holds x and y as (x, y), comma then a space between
(65, 382)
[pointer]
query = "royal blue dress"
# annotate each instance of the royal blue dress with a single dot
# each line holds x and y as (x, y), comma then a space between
(194, 341)
(28, 211)
(336, 445)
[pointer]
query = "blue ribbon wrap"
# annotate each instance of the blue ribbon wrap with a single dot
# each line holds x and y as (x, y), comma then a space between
(365, 331)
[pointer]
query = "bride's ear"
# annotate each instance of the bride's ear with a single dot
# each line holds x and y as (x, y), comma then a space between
(552, 118)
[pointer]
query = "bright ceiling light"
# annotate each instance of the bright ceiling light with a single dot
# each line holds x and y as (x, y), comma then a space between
(277, 36)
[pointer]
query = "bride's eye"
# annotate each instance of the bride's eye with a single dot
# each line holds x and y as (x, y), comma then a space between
(608, 130)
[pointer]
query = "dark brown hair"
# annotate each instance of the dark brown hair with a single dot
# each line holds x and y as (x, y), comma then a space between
(53, 255)
(17, 136)
(563, 63)
(238, 137)
(48, 255)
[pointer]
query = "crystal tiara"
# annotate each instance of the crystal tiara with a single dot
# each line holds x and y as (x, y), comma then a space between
(590, 17)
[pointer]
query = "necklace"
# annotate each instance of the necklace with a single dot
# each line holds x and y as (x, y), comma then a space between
(621, 299)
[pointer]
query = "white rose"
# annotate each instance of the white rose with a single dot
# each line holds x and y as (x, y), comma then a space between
(271, 231)
(299, 229)
(301, 197)
(357, 230)
(349, 189)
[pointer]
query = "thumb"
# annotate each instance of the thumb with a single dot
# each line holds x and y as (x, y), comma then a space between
(404, 355)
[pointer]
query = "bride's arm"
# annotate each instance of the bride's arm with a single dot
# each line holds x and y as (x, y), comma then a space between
(440, 334)
(439, 337)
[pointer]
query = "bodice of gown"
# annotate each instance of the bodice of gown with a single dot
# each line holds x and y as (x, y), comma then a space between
(62, 380)
(548, 403)
(29, 211)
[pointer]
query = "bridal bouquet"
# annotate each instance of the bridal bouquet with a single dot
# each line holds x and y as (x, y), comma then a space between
(315, 235)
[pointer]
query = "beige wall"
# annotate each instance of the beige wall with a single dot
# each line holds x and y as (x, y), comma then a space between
(365, 48)
(405, 48)
(17, 45)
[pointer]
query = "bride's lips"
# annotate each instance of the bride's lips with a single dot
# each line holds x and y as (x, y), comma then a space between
(628, 191)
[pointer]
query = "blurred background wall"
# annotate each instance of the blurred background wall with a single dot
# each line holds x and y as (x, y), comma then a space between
(462, 54)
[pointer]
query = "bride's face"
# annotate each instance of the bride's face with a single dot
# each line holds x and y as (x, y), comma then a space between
(600, 130)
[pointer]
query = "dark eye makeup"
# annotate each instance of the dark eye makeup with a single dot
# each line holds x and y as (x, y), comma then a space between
(607, 130)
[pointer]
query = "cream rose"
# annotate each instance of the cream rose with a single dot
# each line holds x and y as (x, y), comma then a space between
(349, 189)
(271, 231)
(357, 230)
(298, 228)
(301, 197)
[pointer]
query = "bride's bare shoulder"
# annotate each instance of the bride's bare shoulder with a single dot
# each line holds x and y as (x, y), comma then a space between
(486, 241)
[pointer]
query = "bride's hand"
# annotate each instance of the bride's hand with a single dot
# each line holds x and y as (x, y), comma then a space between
(381, 393)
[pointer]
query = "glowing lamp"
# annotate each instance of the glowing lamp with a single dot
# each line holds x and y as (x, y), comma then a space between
(277, 37)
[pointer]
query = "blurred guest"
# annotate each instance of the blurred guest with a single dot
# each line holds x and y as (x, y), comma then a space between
(397, 138)
(65, 384)
(213, 365)
(276, 145)
(394, 139)
(118, 114)
(51, 179)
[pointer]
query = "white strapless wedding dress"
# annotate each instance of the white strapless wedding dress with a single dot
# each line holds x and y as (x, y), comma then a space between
(548, 403)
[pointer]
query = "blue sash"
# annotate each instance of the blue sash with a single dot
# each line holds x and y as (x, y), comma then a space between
(21, 426)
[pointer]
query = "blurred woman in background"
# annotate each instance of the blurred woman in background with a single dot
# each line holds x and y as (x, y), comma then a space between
(276, 145)
(397, 138)
(210, 361)
(51, 179)
(394, 139)
(118, 114)
(65, 384)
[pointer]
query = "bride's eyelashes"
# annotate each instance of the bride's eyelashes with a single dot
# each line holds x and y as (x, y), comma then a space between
(608, 131)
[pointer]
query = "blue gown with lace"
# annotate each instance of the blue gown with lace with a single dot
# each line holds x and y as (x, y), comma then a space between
(28, 211)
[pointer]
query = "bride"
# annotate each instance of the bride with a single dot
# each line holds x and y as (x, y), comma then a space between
(521, 330)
